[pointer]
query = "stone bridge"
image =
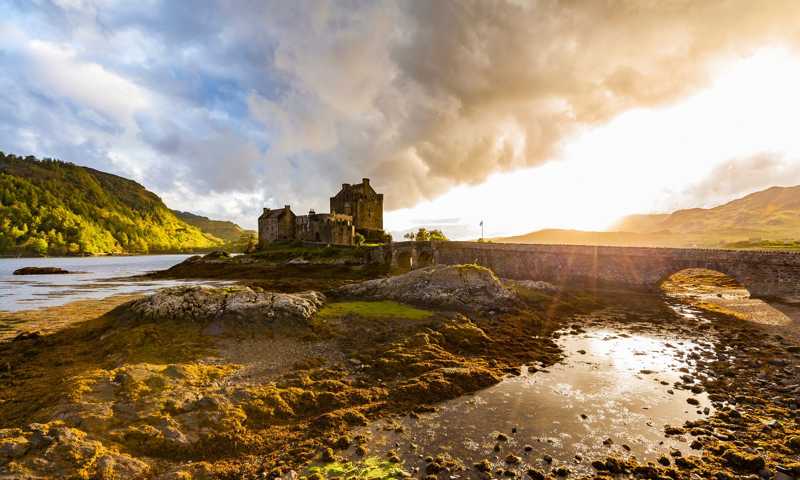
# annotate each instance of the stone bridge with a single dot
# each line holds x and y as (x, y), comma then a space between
(764, 273)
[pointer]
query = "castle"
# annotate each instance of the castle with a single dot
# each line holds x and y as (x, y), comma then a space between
(355, 209)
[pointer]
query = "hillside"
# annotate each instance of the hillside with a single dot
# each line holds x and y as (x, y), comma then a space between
(772, 213)
(765, 219)
(580, 237)
(50, 207)
(222, 229)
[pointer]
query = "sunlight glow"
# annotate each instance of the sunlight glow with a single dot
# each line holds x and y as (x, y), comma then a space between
(640, 162)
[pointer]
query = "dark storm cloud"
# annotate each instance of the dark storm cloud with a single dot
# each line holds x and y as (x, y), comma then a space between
(286, 100)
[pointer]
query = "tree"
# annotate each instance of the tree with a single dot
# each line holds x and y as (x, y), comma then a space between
(39, 246)
(425, 235)
(359, 239)
(438, 236)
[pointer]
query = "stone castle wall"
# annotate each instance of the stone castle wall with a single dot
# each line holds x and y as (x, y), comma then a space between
(325, 228)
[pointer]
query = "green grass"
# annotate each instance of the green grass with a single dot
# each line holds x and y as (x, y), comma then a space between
(378, 309)
(288, 251)
(370, 468)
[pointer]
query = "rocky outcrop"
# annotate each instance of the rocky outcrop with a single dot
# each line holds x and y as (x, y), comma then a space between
(54, 450)
(456, 287)
(202, 304)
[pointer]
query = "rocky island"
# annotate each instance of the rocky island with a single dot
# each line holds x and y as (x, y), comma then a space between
(41, 271)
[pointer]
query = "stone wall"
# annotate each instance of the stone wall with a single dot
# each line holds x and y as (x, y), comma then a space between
(763, 273)
(336, 229)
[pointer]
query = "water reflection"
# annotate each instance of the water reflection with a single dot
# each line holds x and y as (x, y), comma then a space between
(613, 394)
(103, 276)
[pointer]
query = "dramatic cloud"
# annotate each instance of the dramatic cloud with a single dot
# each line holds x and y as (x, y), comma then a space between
(280, 102)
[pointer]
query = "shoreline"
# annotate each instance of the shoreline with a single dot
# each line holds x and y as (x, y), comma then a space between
(48, 320)
(103, 255)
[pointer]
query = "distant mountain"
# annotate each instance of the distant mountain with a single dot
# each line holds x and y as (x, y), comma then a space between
(581, 237)
(765, 219)
(772, 213)
(50, 207)
(225, 230)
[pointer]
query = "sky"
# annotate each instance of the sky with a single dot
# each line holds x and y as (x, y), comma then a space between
(522, 114)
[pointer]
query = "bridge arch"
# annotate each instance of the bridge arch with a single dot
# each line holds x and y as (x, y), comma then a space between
(411, 255)
(700, 270)
(694, 281)
(424, 259)
(404, 260)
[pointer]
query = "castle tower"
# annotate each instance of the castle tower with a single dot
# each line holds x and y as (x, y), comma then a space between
(364, 204)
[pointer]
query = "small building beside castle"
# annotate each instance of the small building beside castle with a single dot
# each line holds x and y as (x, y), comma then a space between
(276, 225)
(355, 209)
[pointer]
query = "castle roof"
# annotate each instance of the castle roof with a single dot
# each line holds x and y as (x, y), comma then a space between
(276, 212)
(363, 189)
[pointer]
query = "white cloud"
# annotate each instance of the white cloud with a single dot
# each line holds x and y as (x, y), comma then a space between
(58, 70)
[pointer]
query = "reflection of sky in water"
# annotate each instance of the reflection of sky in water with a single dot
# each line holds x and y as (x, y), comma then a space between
(606, 384)
(102, 278)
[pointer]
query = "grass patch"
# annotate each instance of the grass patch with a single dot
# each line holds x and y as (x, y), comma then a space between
(370, 468)
(293, 250)
(378, 309)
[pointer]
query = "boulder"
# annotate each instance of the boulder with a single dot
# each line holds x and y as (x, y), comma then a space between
(217, 254)
(203, 303)
(456, 287)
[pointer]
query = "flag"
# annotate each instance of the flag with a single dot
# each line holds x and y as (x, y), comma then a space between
(481, 223)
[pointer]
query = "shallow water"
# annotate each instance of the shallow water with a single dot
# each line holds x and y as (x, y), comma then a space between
(103, 276)
(616, 384)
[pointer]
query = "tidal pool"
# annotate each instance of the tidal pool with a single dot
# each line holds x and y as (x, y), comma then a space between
(613, 394)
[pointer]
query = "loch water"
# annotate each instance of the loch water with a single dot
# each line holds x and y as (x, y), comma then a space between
(100, 277)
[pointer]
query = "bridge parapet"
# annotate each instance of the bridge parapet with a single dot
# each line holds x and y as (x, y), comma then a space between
(763, 273)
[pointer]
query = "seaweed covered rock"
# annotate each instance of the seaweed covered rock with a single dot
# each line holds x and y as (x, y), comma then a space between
(54, 450)
(457, 287)
(41, 271)
(217, 254)
(202, 303)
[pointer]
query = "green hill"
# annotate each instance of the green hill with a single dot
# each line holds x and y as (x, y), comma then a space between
(50, 207)
(225, 230)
